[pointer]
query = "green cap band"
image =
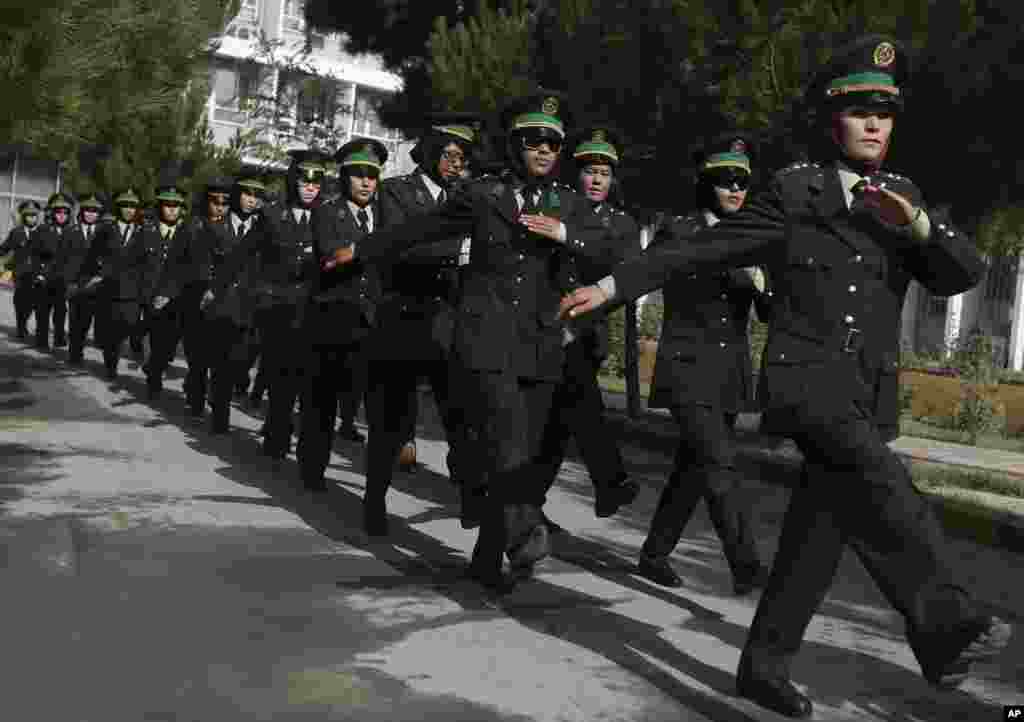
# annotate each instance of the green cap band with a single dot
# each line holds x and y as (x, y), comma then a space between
(251, 183)
(727, 160)
(361, 157)
(538, 120)
(598, 148)
(170, 195)
(459, 131)
(863, 83)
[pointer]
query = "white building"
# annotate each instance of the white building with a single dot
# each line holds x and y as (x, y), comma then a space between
(24, 177)
(346, 98)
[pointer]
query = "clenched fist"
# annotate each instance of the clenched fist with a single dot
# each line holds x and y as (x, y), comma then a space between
(341, 257)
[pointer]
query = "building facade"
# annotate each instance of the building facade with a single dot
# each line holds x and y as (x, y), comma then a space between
(24, 177)
(269, 86)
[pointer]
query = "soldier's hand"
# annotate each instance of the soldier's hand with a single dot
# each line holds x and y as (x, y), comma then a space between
(206, 300)
(543, 226)
(890, 207)
(40, 279)
(581, 301)
(757, 277)
(341, 257)
(159, 302)
(94, 281)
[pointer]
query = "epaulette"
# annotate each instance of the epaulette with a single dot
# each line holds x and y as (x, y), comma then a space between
(799, 165)
(894, 177)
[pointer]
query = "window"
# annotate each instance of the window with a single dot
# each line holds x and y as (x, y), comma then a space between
(234, 85)
(246, 24)
(318, 101)
(295, 16)
(367, 114)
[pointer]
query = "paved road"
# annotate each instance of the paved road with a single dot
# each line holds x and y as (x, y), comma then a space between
(153, 572)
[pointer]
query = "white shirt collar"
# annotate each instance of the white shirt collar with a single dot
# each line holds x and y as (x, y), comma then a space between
(298, 212)
(432, 186)
(710, 217)
(848, 179)
(356, 208)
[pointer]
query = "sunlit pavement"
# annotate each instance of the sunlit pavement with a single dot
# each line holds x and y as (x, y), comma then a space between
(152, 571)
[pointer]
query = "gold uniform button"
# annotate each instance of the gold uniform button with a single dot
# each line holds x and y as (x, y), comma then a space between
(848, 318)
(852, 288)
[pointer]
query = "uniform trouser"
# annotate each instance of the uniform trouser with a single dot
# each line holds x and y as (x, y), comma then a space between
(194, 336)
(509, 414)
(854, 491)
(577, 410)
(50, 301)
(331, 370)
(165, 331)
(392, 405)
(283, 360)
(355, 391)
(82, 310)
(116, 320)
(253, 350)
(705, 468)
(24, 302)
(220, 354)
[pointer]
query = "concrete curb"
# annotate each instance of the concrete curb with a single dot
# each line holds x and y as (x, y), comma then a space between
(777, 461)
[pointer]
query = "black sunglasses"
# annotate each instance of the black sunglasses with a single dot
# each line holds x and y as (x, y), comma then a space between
(729, 178)
(533, 140)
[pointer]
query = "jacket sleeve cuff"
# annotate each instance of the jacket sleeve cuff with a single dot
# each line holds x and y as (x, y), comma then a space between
(921, 227)
(607, 284)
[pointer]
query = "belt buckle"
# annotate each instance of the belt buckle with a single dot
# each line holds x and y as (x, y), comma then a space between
(853, 340)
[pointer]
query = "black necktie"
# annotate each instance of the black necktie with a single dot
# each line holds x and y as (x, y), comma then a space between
(124, 234)
(530, 194)
(364, 220)
(302, 217)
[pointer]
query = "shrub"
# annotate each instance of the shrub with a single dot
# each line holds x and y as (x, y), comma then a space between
(652, 316)
(615, 364)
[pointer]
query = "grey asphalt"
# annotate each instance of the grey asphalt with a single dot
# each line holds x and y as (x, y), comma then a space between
(151, 571)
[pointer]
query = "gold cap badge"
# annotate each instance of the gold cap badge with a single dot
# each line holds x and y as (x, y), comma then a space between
(550, 106)
(884, 55)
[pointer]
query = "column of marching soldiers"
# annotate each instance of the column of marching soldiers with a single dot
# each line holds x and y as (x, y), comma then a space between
(486, 284)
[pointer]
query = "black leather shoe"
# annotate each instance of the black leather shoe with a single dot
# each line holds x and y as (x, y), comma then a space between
(608, 501)
(375, 517)
(111, 374)
(534, 547)
(974, 641)
(745, 584)
(22, 333)
(778, 695)
(494, 580)
(658, 570)
(76, 361)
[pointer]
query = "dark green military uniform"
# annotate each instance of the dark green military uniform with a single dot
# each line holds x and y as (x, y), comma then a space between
(168, 279)
(18, 243)
(119, 257)
(285, 271)
(413, 337)
(81, 290)
(508, 338)
(50, 255)
(341, 312)
(840, 274)
(703, 376)
(578, 407)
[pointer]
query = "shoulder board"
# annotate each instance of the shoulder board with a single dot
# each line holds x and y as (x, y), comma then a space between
(799, 166)
(895, 177)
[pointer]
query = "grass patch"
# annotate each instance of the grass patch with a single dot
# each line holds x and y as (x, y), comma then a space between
(928, 476)
(618, 385)
(924, 430)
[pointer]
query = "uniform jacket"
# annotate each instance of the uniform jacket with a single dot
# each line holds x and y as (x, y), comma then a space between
(508, 314)
(53, 250)
(839, 279)
(420, 289)
(704, 350)
(212, 248)
(120, 263)
(281, 260)
(163, 267)
(19, 243)
(621, 240)
(78, 252)
(343, 301)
